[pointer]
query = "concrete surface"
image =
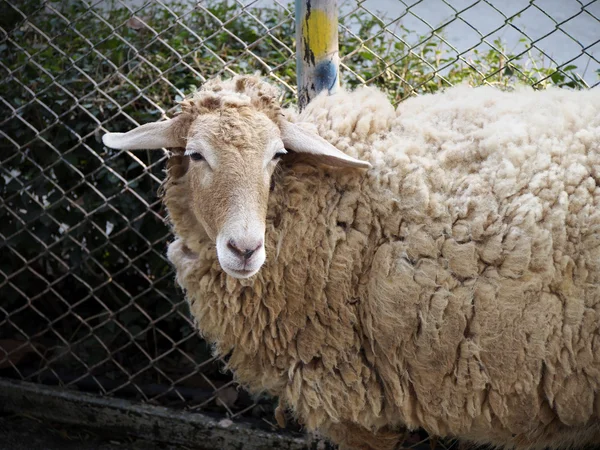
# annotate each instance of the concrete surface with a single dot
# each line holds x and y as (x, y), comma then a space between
(95, 421)
(19, 432)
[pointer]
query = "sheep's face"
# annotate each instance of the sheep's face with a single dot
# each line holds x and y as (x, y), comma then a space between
(233, 135)
(232, 158)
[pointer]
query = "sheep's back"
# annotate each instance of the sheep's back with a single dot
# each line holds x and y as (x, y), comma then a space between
(493, 267)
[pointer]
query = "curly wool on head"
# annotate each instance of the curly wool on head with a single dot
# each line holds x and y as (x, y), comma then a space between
(240, 94)
(455, 286)
(243, 91)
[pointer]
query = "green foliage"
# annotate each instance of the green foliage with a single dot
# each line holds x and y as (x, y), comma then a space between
(406, 65)
(83, 271)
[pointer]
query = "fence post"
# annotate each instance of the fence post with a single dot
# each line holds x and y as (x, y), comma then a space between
(317, 56)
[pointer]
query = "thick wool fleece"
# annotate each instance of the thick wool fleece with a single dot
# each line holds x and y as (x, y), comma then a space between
(455, 286)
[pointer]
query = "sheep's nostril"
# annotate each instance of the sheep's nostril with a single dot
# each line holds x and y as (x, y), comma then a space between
(246, 254)
(234, 248)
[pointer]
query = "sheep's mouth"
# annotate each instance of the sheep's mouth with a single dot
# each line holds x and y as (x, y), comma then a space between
(242, 273)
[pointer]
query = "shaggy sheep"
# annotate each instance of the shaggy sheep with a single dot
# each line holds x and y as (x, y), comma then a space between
(453, 286)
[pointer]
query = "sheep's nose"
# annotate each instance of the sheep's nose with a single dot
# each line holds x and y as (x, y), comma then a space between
(243, 251)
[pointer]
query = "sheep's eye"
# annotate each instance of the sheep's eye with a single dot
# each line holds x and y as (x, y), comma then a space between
(196, 156)
(279, 154)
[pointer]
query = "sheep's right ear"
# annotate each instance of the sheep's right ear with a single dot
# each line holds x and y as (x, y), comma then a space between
(149, 136)
(299, 140)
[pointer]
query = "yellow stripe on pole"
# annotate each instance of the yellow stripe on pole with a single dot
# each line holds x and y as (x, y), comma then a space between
(320, 33)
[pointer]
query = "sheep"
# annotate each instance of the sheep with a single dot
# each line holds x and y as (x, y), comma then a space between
(433, 266)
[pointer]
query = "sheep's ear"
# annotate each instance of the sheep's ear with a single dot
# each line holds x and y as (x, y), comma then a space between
(149, 136)
(299, 140)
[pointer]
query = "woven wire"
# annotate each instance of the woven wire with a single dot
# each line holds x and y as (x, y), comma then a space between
(406, 63)
(88, 298)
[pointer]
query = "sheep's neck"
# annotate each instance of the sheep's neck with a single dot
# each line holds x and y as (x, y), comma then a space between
(284, 316)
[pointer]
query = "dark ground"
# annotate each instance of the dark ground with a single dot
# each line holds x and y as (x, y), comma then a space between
(18, 432)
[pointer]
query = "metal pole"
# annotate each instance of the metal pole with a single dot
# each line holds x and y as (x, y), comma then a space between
(317, 53)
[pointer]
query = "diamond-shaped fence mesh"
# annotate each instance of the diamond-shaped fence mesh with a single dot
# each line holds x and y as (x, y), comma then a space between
(87, 297)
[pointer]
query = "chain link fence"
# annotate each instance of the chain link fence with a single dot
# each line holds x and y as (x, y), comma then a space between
(87, 297)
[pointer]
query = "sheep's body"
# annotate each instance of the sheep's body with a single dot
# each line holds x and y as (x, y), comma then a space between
(455, 286)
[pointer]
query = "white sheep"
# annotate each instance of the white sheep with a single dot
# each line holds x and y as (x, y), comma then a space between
(453, 286)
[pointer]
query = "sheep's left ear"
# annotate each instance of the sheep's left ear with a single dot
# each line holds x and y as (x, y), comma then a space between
(299, 140)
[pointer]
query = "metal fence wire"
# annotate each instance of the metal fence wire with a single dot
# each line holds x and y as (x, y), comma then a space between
(87, 297)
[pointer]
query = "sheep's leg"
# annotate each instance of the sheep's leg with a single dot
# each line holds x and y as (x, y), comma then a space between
(350, 436)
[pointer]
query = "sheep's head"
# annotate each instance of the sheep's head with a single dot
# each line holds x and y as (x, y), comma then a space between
(230, 137)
